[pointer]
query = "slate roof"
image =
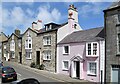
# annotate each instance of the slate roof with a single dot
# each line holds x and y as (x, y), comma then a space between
(114, 5)
(94, 34)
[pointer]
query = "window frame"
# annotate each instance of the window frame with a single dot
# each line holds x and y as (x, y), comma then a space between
(88, 68)
(45, 54)
(64, 49)
(92, 49)
(47, 40)
(30, 55)
(63, 67)
(28, 41)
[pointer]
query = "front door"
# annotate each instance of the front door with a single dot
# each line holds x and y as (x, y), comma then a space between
(20, 54)
(76, 69)
(115, 76)
(37, 57)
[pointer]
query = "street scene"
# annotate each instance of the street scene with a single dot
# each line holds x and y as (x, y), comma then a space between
(60, 42)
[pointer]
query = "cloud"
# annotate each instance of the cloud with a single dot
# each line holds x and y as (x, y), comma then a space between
(47, 15)
(91, 8)
(17, 17)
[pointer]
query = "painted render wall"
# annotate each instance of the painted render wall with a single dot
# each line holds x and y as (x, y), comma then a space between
(75, 49)
(67, 29)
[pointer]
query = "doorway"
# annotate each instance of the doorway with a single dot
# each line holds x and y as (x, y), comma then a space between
(37, 57)
(76, 69)
(20, 54)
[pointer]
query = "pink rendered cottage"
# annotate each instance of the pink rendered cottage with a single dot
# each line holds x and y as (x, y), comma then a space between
(81, 55)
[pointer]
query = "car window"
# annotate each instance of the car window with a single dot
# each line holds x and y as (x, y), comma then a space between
(8, 70)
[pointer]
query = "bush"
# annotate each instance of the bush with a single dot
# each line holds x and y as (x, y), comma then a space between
(42, 67)
(37, 66)
(32, 65)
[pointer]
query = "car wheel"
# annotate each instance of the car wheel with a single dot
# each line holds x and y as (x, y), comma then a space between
(15, 78)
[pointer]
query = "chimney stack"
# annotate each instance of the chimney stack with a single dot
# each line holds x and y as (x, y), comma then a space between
(17, 32)
(73, 13)
(37, 25)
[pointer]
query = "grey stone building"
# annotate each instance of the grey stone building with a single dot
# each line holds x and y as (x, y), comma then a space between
(39, 46)
(112, 46)
(3, 37)
(12, 47)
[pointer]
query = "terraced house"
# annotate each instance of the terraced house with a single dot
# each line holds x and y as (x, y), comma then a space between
(39, 44)
(81, 55)
(12, 47)
(3, 37)
(112, 31)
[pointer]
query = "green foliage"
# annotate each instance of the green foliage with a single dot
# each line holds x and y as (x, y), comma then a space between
(33, 65)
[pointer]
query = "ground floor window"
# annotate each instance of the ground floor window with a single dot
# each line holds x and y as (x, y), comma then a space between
(28, 55)
(12, 54)
(47, 55)
(65, 65)
(92, 68)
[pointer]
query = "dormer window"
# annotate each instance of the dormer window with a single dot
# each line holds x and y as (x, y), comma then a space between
(48, 27)
(12, 36)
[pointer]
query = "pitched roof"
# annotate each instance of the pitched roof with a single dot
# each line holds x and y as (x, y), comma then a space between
(94, 34)
(113, 5)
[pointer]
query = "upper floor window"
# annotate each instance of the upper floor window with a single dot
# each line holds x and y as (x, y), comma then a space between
(92, 68)
(47, 40)
(28, 42)
(12, 45)
(118, 42)
(4, 46)
(12, 37)
(47, 55)
(66, 49)
(19, 43)
(92, 49)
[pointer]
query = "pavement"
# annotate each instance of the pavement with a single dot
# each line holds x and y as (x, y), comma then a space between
(52, 75)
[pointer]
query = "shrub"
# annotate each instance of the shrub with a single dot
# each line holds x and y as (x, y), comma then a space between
(37, 66)
(32, 65)
(42, 67)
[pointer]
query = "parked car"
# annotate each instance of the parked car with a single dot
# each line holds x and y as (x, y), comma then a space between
(8, 73)
(1, 65)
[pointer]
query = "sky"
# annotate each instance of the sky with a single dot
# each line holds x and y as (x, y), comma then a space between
(20, 15)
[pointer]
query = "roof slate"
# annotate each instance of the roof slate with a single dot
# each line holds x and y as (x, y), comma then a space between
(94, 34)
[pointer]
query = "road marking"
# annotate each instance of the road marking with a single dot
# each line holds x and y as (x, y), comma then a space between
(19, 74)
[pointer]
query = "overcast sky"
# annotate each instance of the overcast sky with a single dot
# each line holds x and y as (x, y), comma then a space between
(21, 14)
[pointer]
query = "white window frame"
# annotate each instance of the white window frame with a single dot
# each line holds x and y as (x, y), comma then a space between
(88, 68)
(27, 42)
(45, 54)
(45, 40)
(12, 45)
(92, 49)
(13, 55)
(64, 49)
(5, 46)
(30, 55)
(63, 67)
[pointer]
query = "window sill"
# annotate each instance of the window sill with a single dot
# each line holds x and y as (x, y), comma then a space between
(118, 55)
(46, 45)
(64, 69)
(90, 74)
(46, 59)
(92, 56)
(28, 58)
(65, 53)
